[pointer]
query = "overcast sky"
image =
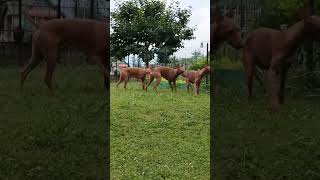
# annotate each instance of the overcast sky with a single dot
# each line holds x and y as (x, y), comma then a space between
(200, 19)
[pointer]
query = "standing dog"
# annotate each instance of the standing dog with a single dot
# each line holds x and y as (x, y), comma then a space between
(226, 30)
(195, 77)
(89, 36)
(168, 73)
(139, 73)
(270, 50)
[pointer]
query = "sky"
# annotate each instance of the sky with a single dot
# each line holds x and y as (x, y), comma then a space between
(200, 18)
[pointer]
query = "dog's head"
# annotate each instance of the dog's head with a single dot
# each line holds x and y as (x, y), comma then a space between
(180, 69)
(225, 29)
(206, 69)
(148, 70)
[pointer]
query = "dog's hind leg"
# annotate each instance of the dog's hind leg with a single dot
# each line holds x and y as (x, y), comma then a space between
(170, 83)
(34, 61)
(151, 78)
(157, 84)
(142, 83)
(51, 64)
(102, 63)
(283, 77)
(175, 86)
(188, 85)
(259, 79)
(120, 79)
(247, 60)
(126, 79)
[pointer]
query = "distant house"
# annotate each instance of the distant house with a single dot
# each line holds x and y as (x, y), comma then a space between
(116, 66)
(40, 10)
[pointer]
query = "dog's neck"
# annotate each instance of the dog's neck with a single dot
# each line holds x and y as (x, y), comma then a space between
(202, 72)
(295, 35)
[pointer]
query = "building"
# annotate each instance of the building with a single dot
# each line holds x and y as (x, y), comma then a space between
(116, 67)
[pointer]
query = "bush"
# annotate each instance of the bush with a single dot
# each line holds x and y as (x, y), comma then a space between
(198, 64)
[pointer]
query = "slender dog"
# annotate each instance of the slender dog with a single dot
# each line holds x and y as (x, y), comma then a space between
(274, 53)
(139, 73)
(195, 77)
(169, 74)
(226, 30)
(89, 36)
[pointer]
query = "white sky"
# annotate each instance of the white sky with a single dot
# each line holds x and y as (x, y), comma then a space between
(200, 18)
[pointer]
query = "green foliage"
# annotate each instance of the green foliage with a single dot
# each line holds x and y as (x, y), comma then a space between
(198, 64)
(275, 13)
(145, 27)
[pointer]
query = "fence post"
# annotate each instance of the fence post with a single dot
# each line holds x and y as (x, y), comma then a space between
(207, 80)
(20, 28)
(92, 9)
(59, 9)
(76, 8)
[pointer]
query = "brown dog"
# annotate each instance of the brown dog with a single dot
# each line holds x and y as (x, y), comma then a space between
(139, 73)
(271, 49)
(89, 36)
(195, 77)
(168, 73)
(224, 29)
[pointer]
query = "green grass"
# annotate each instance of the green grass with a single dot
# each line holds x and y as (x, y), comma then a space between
(255, 142)
(53, 137)
(159, 137)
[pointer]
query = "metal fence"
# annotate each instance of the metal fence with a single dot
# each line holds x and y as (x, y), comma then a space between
(13, 17)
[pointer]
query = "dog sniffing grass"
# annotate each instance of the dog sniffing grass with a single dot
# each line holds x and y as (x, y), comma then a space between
(156, 137)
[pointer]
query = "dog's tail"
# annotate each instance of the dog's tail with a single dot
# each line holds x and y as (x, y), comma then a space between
(34, 24)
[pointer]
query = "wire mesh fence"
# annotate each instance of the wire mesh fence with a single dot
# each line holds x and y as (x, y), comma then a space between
(15, 23)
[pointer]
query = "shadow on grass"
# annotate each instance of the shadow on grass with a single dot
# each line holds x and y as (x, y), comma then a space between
(53, 137)
(255, 142)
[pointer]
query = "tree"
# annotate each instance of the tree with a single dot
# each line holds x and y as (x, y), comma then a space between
(196, 54)
(148, 27)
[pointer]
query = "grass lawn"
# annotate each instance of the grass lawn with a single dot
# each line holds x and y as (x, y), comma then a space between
(53, 137)
(159, 137)
(252, 141)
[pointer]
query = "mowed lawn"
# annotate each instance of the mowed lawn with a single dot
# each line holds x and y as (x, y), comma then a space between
(159, 137)
(53, 137)
(252, 141)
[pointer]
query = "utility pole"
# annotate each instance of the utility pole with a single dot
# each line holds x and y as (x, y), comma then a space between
(20, 31)
(207, 80)
(128, 61)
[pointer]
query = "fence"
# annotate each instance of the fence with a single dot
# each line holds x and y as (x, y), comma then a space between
(14, 17)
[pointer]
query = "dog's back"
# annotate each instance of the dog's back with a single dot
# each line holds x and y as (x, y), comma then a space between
(87, 35)
(134, 72)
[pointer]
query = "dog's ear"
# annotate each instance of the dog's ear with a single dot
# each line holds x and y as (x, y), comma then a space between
(308, 20)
